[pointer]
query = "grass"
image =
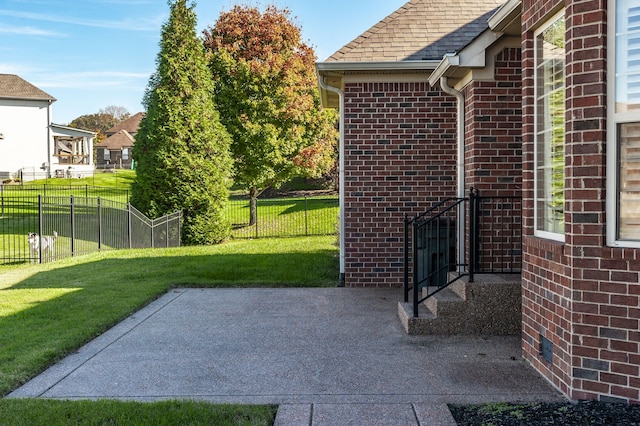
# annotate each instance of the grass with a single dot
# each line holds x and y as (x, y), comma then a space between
(47, 412)
(285, 217)
(49, 310)
(121, 179)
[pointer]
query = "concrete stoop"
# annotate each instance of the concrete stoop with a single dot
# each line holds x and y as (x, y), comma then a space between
(490, 306)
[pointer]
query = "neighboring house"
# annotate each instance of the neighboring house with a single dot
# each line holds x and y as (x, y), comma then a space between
(534, 99)
(31, 147)
(115, 150)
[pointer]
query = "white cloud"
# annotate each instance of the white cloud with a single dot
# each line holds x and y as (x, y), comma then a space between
(91, 79)
(132, 24)
(7, 68)
(29, 31)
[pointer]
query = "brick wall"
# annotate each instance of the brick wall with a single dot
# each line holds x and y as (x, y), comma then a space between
(400, 147)
(582, 296)
(493, 159)
(493, 134)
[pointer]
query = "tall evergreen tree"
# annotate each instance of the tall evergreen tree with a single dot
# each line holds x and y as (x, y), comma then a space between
(182, 150)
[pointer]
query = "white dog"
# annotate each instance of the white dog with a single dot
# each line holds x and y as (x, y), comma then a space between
(47, 242)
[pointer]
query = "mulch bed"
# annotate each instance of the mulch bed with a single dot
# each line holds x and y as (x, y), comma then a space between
(592, 413)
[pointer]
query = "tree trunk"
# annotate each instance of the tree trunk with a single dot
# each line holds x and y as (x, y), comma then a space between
(253, 206)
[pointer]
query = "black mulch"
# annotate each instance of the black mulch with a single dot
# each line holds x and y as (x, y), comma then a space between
(590, 413)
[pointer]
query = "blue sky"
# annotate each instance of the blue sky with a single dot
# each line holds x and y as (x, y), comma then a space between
(89, 54)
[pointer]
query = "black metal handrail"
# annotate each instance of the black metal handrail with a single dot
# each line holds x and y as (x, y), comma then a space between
(433, 249)
(492, 232)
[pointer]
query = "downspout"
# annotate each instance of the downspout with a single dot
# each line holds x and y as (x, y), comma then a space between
(460, 191)
(340, 94)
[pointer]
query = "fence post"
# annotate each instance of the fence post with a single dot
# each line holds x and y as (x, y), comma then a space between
(2, 197)
(179, 228)
(306, 226)
(40, 228)
(257, 209)
(129, 223)
(99, 224)
(73, 231)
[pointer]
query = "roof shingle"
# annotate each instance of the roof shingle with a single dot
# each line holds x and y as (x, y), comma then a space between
(14, 87)
(420, 30)
(131, 125)
(118, 140)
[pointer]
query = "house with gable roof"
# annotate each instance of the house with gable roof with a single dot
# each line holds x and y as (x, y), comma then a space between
(31, 146)
(540, 104)
(115, 150)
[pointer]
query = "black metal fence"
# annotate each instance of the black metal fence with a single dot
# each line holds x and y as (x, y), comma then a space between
(284, 217)
(39, 228)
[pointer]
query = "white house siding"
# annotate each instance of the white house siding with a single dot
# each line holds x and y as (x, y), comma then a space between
(24, 126)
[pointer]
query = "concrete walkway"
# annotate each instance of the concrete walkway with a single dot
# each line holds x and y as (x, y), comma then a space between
(328, 356)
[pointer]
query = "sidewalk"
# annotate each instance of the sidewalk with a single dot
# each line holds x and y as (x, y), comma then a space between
(328, 356)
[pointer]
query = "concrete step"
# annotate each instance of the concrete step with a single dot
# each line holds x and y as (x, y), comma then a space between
(445, 303)
(488, 306)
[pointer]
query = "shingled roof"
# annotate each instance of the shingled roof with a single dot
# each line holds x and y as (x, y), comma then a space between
(420, 30)
(131, 125)
(118, 140)
(14, 87)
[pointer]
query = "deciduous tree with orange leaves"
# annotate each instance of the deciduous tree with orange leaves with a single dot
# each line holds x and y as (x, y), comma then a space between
(267, 95)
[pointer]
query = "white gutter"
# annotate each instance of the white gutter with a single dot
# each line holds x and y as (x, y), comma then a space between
(377, 66)
(460, 190)
(341, 194)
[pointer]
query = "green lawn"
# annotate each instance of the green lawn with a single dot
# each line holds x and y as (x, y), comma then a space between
(87, 413)
(47, 311)
(284, 217)
(112, 179)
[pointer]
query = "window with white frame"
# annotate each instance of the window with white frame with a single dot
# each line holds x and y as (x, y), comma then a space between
(550, 128)
(623, 145)
(106, 154)
(125, 153)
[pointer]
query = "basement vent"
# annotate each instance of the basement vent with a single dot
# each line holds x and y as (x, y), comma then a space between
(546, 349)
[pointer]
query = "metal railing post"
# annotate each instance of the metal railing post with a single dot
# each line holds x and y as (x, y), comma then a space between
(472, 234)
(406, 258)
(414, 253)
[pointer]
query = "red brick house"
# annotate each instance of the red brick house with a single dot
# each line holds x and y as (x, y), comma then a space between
(536, 99)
